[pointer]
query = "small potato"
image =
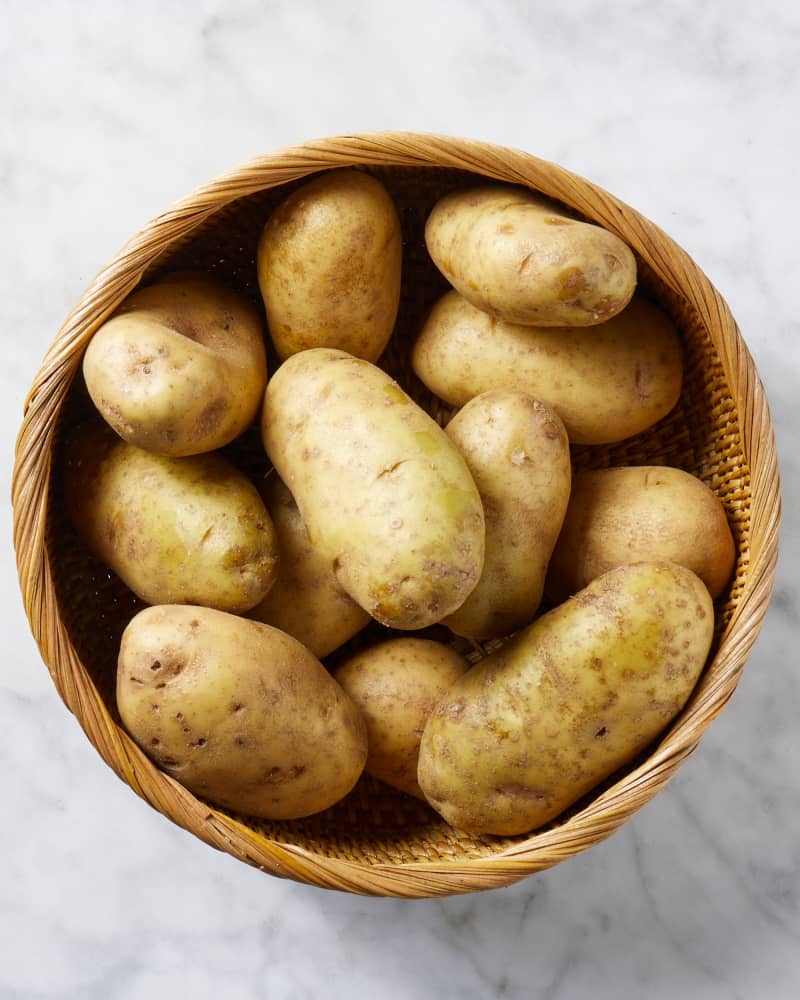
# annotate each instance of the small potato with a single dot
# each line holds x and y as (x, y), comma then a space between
(175, 530)
(517, 256)
(569, 700)
(636, 514)
(517, 451)
(329, 263)
(306, 600)
(180, 368)
(238, 712)
(384, 494)
(606, 383)
(396, 685)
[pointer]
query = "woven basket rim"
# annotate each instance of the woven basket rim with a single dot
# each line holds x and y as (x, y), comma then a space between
(32, 468)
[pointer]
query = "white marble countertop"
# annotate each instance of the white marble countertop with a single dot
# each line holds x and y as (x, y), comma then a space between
(687, 110)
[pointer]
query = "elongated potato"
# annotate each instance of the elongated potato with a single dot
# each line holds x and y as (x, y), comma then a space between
(306, 600)
(637, 513)
(175, 530)
(180, 368)
(238, 712)
(384, 494)
(517, 256)
(517, 451)
(606, 383)
(329, 263)
(396, 685)
(569, 700)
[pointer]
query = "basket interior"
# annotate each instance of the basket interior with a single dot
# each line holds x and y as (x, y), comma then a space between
(375, 823)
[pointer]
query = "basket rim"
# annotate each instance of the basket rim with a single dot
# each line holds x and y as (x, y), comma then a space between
(32, 468)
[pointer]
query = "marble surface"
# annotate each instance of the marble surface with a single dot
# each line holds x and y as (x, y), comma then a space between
(687, 110)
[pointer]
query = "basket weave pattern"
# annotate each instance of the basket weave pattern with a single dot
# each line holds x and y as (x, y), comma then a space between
(379, 841)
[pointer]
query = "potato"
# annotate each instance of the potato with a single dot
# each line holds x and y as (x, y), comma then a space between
(565, 703)
(180, 368)
(175, 530)
(517, 451)
(606, 383)
(329, 263)
(306, 600)
(396, 685)
(636, 514)
(517, 256)
(384, 494)
(238, 712)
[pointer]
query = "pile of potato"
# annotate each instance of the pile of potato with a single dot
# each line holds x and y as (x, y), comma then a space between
(374, 512)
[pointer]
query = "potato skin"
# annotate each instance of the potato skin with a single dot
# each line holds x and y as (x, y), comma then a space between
(606, 383)
(396, 685)
(384, 494)
(517, 451)
(175, 530)
(238, 712)
(329, 263)
(639, 513)
(580, 692)
(180, 368)
(516, 256)
(306, 600)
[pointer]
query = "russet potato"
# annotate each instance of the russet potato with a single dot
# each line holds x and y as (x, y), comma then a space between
(636, 513)
(384, 494)
(566, 702)
(238, 712)
(306, 600)
(606, 382)
(396, 685)
(180, 367)
(329, 262)
(519, 257)
(176, 530)
(517, 451)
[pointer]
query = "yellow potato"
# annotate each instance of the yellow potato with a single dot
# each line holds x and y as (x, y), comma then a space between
(396, 685)
(383, 492)
(640, 513)
(514, 254)
(329, 263)
(569, 700)
(180, 368)
(175, 530)
(517, 451)
(606, 383)
(306, 600)
(238, 712)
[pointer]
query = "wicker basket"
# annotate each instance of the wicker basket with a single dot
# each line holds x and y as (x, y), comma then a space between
(378, 841)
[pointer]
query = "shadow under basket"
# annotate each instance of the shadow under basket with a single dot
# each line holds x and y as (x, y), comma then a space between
(379, 841)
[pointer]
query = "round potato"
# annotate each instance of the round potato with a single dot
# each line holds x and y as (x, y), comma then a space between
(517, 451)
(606, 383)
(175, 530)
(396, 685)
(180, 368)
(306, 600)
(329, 263)
(565, 703)
(515, 255)
(383, 492)
(238, 712)
(640, 513)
